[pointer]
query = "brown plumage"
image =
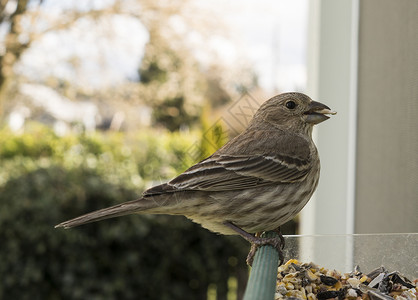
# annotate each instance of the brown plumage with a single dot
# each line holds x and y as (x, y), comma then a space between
(256, 182)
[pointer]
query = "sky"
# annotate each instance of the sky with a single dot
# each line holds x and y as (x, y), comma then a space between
(269, 35)
(273, 36)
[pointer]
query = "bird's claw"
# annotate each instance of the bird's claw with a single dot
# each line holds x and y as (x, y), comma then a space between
(276, 242)
(256, 241)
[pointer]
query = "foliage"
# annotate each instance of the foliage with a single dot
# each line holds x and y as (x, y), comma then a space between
(45, 179)
(171, 83)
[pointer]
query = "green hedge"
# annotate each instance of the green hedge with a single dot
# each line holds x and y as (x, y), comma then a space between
(45, 179)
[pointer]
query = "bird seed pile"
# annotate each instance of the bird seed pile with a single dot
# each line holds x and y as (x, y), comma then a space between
(308, 281)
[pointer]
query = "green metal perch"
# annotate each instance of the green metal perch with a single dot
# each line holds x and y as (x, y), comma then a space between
(262, 282)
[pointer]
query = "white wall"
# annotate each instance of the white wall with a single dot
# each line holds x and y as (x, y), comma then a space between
(332, 79)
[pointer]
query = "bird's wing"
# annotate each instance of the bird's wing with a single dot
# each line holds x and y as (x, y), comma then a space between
(225, 172)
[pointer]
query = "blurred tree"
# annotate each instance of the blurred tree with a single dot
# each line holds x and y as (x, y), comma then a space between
(11, 14)
(175, 83)
(170, 73)
(170, 83)
(20, 21)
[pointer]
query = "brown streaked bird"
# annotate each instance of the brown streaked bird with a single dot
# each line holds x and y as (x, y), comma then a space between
(256, 182)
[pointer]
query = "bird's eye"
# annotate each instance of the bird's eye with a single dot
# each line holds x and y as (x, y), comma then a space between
(290, 104)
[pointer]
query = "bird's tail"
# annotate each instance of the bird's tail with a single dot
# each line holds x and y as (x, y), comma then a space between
(125, 208)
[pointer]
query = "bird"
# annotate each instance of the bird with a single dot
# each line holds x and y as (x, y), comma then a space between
(255, 183)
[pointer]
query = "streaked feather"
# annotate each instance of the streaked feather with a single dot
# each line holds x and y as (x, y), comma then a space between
(226, 172)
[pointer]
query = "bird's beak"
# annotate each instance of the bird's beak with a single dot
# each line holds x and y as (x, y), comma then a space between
(317, 112)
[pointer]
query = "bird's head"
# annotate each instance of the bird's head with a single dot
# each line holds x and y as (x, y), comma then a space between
(292, 111)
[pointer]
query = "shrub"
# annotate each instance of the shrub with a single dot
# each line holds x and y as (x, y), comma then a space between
(45, 179)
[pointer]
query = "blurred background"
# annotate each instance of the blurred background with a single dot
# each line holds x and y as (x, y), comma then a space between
(100, 99)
